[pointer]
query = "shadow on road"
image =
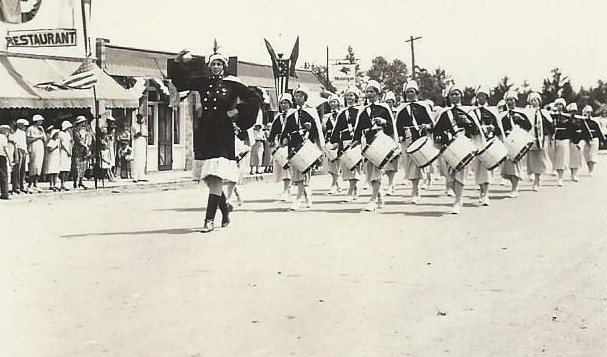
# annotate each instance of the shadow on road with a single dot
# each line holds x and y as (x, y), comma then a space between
(155, 231)
(182, 209)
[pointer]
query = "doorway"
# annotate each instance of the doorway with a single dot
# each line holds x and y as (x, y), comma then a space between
(165, 137)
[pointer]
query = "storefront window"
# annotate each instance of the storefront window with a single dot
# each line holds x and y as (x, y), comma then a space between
(150, 122)
(176, 127)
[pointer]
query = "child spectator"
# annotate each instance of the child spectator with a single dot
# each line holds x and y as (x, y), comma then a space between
(125, 155)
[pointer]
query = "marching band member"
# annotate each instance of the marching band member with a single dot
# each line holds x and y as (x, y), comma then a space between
(543, 130)
(328, 125)
(372, 118)
(575, 152)
(413, 121)
(303, 123)
(452, 120)
(285, 107)
(342, 135)
(511, 170)
(225, 101)
(562, 136)
(487, 121)
(391, 167)
(591, 134)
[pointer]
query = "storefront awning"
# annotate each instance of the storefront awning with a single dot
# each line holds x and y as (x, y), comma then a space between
(19, 76)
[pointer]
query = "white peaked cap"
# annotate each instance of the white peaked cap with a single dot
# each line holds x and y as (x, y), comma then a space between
(411, 85)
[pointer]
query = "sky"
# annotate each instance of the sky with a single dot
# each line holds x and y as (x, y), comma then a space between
(477, 42)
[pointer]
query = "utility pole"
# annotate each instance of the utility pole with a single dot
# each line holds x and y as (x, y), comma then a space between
(412, 40)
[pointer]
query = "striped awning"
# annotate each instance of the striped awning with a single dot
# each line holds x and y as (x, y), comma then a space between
(19, 76)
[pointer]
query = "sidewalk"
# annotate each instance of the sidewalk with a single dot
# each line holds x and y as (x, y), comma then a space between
(158, 180)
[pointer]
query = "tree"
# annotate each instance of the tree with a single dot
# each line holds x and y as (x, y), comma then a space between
(360, 75)
(321, 73)
(391, 74)
(558, 86)
(469, 96)
(498, 91)
(433, 85)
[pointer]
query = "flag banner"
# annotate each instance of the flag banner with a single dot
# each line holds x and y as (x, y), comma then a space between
(342, 74)
(83, 77)
(10, 11)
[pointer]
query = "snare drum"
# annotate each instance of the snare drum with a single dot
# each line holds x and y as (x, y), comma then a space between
(518, 142)
(493, 154)
(306, 156)
(423, 152)
(240, 149)
(281, 156)
(351, 156)
(381, 150)
(459, 152)
(330, 152)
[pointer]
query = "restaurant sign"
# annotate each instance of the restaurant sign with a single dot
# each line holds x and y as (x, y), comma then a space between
(41, 38)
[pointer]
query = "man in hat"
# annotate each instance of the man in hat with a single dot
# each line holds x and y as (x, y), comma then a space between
(373, 118)
(5, 161)
(328, 125)
(452, 121)
(139, 131)
(413, 121)
(486, 118)
(511, 118)
(302, 123)
(21, 157)
(277, 138)
(36, 141)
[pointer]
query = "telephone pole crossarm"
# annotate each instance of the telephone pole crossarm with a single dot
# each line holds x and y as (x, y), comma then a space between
(412, 40)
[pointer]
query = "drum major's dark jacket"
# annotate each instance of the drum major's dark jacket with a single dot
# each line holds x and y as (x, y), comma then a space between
(213, 130)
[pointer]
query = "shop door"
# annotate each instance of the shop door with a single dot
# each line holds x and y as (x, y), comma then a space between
(165, 138)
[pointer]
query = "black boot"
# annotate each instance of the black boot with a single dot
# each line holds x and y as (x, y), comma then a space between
(225, 210)
(209, 221)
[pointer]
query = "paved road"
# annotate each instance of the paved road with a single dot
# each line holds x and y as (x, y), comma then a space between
(127, 274)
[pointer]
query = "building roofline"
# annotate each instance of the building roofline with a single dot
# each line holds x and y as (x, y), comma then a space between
(109, 45)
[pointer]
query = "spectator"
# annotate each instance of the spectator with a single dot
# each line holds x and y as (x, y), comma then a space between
(53, 159)
(110, 139)
(140, 147)
(5, 161)
(21, 157)
(125, 156)
(257, 139)
(65, 153)
(266, 161)
(36, 142)
(81, 152)
(47, 133)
